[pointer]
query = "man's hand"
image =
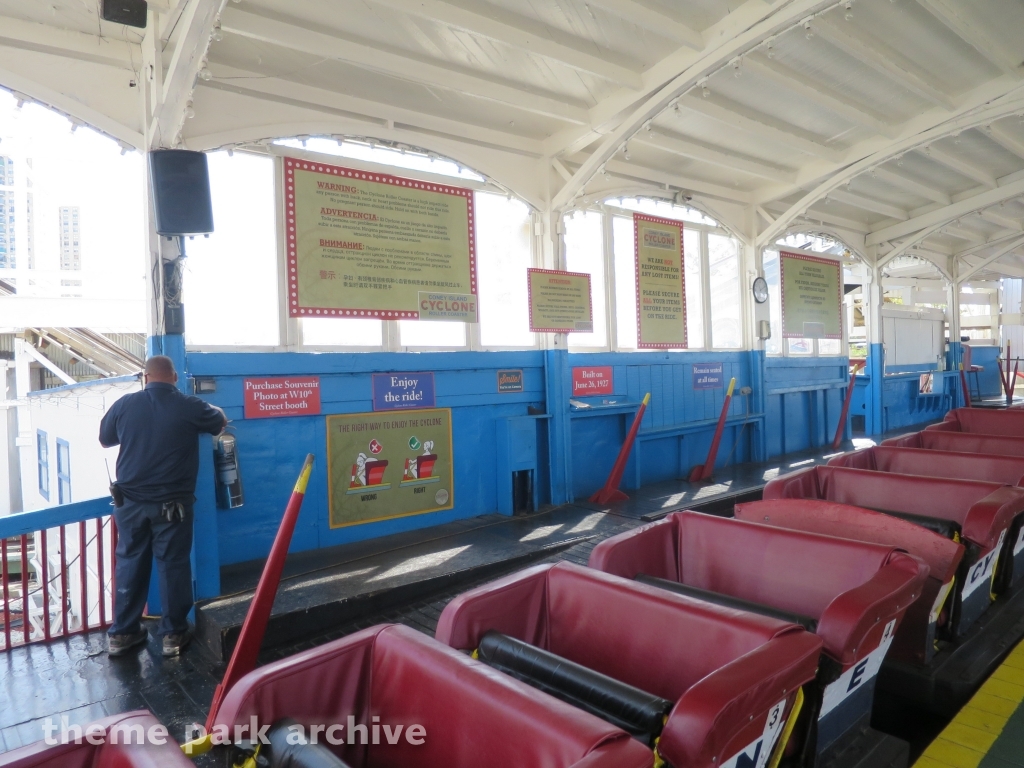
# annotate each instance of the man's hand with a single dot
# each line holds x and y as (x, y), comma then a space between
(223, 416)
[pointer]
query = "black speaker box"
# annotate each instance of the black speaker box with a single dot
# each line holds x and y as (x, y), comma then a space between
(174, 320)
(130, 12)
(180, 181)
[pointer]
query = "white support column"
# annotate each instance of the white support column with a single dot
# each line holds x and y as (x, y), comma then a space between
(954, 302)
(25, 440)
(873, 298)
(608, 241)
(705, 283)
(750, 270)
(554, 258)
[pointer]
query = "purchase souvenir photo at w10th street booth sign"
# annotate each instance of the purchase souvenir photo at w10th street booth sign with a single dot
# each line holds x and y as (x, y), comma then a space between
(811, 296)
(366, 244)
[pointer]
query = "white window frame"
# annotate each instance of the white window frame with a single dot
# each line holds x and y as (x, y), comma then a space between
(290, 328)
(844, 341)
(610, 287)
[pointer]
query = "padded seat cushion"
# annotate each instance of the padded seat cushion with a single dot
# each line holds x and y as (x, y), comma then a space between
(964, 442)
(982, 421)
(845, 585)
(1006, 470)
(107, 755)
(471, 714)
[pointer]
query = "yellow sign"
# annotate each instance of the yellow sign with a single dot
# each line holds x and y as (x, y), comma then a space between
(660, 284)
(363, 244)
(559, 301)
(384, 465)
(811, 296)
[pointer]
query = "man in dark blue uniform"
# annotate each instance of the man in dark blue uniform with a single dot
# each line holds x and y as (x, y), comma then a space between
(158, 430)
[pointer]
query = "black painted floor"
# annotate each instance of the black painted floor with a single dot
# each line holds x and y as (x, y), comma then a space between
(75, 678)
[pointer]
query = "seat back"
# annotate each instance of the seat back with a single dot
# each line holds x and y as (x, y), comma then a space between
(942, 555)
(797, 572)
(593, 618)
(914, 641)
(965, 356)
(726, 669)
(940, 498)
(393, 675)
(471, 712)
(1007, 470)
(984, 421)
(136, 747)
(960, 442)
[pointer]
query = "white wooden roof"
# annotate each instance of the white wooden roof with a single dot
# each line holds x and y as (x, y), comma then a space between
(898, 123)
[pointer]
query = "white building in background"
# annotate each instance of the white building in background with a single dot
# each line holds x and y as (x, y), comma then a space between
(17, 225)
(70, 238)
(66, 462)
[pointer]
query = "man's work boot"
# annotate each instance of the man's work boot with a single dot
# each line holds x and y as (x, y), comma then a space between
(119, 645)
(176, 642)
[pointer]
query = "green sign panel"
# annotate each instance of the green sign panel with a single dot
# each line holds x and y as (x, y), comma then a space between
(362, 244)
(811, 297)
(384, 465)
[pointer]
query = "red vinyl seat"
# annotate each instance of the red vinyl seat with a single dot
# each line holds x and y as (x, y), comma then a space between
(858, 592)
(472, 715)
(983, 512)
(727, 671)
(852, 588)
(960, 442)
(982, 421)
(127, 752)
(915, 637)
(1007, 470)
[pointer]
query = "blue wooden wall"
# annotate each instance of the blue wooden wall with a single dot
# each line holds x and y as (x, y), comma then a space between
(804, 398)
(792, 405)
(271, 451)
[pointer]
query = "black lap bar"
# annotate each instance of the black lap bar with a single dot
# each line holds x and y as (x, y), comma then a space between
(285, 755)
(946, 528)
(637, 712)
(811, 625)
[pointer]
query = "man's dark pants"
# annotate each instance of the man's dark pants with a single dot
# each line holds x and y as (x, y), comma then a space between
(142, 533)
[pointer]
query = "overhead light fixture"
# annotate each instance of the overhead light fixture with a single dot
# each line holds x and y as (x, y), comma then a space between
(704, 90)
(808, 32)
(737, 68)
(849, 10)
(205, 74)
(189, 111)
(217, 35)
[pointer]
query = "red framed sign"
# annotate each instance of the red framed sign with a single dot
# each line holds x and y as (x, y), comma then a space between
(366, 244)
(266, 398)
(592, 380)
(812, 296)
(660, 282)
(560, 302)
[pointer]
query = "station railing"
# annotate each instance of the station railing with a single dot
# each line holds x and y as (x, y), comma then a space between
(56, 572)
